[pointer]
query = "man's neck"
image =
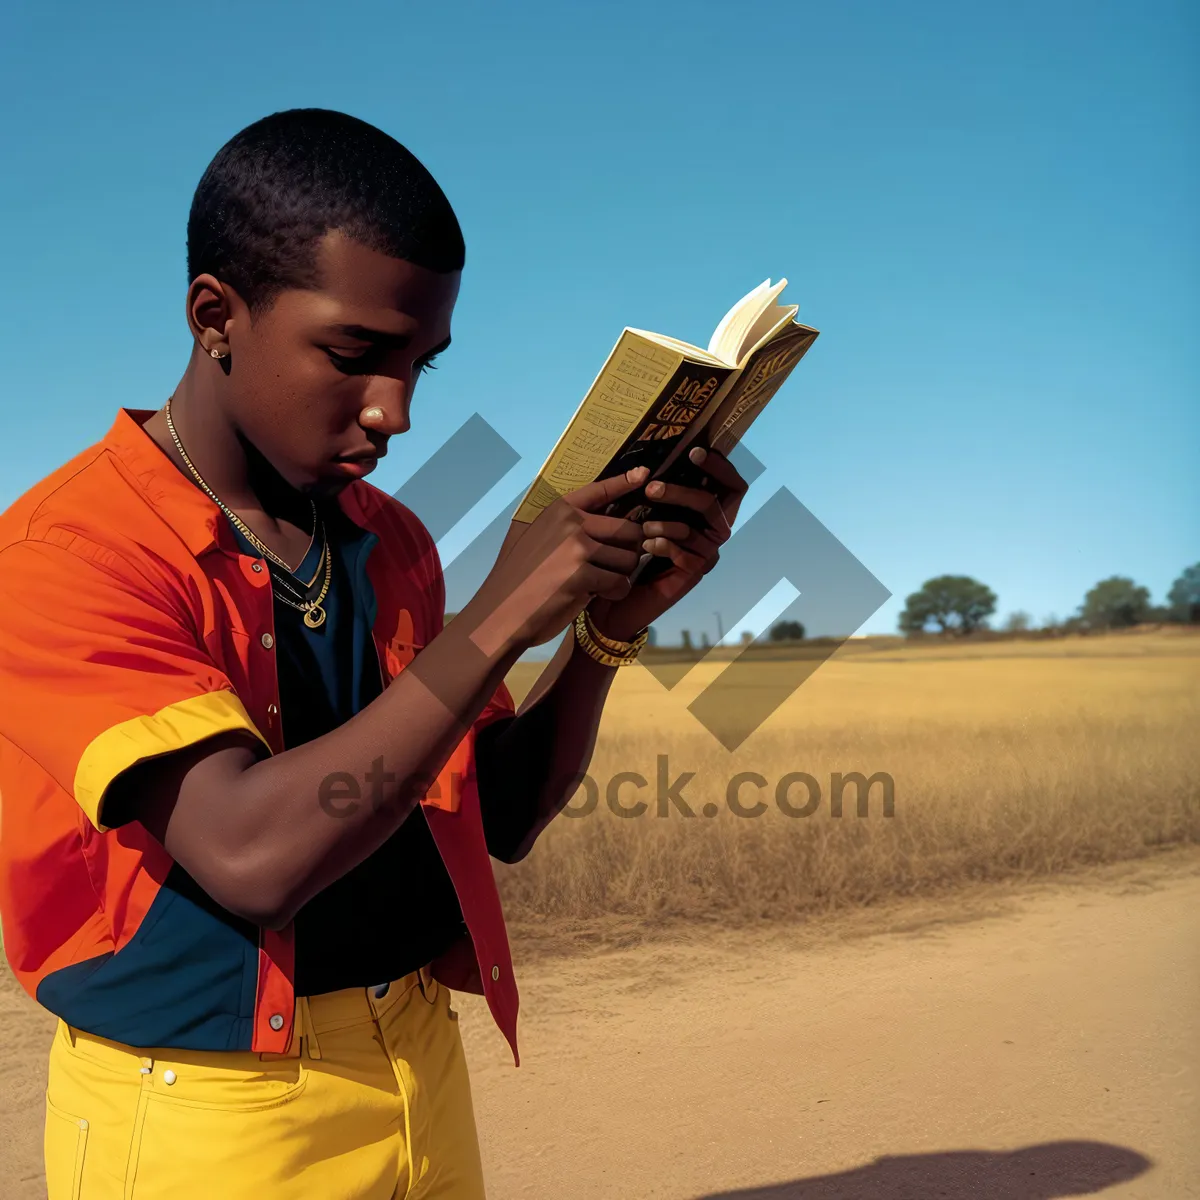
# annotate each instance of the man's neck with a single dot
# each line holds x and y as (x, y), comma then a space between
(235, 471)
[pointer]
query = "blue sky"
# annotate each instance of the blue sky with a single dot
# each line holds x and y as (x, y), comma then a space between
(988, 211)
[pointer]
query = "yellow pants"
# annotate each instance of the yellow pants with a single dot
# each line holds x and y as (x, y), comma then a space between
(372, 1102)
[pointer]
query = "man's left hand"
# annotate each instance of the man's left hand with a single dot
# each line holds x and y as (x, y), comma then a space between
(692, 552)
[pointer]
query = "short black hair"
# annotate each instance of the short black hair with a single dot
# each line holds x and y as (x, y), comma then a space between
(275, 189)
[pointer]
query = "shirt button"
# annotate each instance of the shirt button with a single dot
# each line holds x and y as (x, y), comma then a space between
(256, 566)
(268, 641)
(276, 1021)
(168, 1076)
(495, 972)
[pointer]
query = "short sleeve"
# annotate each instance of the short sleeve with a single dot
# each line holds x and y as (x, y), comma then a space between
(99, 670)
(498, 707)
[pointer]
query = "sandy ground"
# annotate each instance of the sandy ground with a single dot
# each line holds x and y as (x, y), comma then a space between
(1006, 1043)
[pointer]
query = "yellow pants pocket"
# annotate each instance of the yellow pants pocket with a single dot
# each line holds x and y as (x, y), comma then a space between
(65, 1143)
(236, 1132)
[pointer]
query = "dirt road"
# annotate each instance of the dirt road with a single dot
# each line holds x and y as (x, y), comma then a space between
(1008, 1044)
(1042, 1042)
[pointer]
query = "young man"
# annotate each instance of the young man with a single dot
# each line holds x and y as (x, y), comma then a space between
(250, 783)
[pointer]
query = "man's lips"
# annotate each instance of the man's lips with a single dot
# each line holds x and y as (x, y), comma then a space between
(361, 462)
(358, 467)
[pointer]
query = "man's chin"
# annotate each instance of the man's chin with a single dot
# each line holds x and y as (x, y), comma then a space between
(330, 485)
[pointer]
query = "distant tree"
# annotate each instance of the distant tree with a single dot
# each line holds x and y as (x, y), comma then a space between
(787, 631)
(747, 637)
(686, 639)
(1115, 603)
(651, 636)
(954, 603)
(705, 644)
(1184, 597)
(1018, 622)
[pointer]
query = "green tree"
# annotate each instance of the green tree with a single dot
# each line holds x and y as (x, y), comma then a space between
(1184, 597)
(686, 638)
(787, 631)
(954, 603)
(651, 636)
(1115, 603)
(1018, 622)
(705, 644)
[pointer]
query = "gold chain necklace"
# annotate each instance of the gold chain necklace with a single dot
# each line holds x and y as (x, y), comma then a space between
(314, 613)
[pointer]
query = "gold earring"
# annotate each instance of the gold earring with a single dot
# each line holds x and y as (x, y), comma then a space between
(218, 354)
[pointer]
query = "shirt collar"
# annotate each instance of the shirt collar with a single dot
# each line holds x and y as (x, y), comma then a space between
(182, 505)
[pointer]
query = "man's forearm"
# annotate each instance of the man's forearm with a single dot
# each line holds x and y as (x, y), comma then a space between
(532, 765)
(264, 838)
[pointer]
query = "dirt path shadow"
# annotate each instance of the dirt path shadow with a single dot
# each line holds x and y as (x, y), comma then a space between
(1032, 1173)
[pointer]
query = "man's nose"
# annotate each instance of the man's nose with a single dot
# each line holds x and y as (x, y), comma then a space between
(386, 411)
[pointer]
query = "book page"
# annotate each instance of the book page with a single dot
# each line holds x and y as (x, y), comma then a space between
(616, 403)
(685, 348)
(760, 379)
(729, 332)
(766, 328)
(731, 341)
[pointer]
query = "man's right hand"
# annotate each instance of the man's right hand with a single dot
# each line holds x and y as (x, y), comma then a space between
(549, 569)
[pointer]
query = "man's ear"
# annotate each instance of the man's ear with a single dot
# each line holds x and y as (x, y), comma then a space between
(210, 309)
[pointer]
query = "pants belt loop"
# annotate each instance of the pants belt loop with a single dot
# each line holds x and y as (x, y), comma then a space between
(310, 1029)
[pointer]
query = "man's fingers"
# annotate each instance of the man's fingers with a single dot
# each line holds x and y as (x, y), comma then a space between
(609, 585)
(720, 468)
(705, 503)
(675, 531)
(730, 484)
(594, 496)
(695, 555)
(613, 531)
(616, 558)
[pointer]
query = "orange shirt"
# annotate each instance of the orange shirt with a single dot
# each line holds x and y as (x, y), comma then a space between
(133, 625)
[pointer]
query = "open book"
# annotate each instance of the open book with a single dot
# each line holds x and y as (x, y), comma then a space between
(656, 397)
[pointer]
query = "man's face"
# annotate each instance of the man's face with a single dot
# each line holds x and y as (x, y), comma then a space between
(321, 379)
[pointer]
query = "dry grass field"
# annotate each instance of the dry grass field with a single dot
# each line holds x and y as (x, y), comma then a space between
(953, 1043)
(1008, 759)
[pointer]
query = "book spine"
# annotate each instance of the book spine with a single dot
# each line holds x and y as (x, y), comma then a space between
(615, 407)
(682, 404)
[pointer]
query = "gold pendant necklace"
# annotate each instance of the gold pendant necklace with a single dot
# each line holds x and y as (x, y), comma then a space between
(313, 610)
